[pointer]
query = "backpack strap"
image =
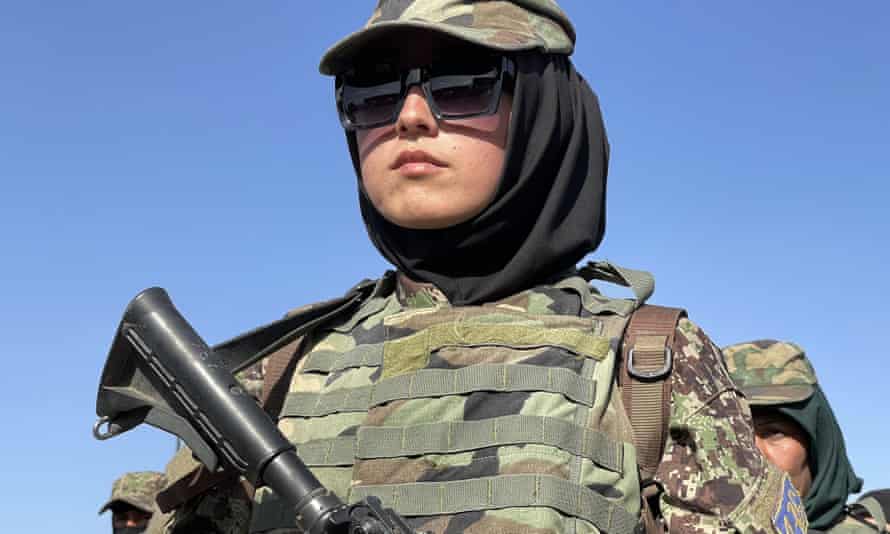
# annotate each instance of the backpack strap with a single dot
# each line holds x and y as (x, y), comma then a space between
(644, 378)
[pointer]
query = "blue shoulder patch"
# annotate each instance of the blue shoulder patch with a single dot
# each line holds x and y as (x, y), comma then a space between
(791, 517)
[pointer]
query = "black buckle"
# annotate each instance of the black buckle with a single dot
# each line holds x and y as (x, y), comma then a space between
(650, 375)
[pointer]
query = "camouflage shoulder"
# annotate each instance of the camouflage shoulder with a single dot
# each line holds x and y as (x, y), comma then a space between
(213, 513)
(158, 522)
(714, 477)
(222, 510)
(850, 524)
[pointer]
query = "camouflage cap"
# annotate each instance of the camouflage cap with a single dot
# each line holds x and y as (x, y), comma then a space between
(137, 489)
(509, 25)
(770, 372)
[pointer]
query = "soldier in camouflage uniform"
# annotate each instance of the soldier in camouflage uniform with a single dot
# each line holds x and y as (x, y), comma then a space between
(476, 389)
(797, 431)
(132, 501)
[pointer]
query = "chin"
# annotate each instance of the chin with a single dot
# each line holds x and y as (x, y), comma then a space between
(417, 221)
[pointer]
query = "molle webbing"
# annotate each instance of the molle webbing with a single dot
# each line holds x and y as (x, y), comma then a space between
(437, 337)
(339, 451)
(442, 382)
(647, 344)
(330, 361)
(505, 491)
(461, 436)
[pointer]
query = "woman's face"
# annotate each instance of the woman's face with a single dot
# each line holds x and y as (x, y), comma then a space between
(784, 443)
(421, 173)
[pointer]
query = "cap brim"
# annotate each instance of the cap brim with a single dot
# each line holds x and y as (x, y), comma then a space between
(108, 505)
(340, 56)
(771, 395)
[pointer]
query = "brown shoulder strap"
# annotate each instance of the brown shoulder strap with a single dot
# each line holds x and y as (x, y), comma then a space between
(644, 378)
(277, 376)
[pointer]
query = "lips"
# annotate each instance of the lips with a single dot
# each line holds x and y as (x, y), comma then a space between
(407, 157)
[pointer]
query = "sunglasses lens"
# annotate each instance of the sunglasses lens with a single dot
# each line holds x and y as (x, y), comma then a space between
(464, 88)
(371, 96)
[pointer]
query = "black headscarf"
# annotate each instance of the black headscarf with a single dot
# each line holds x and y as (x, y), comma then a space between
(833, 476)
(548, 212)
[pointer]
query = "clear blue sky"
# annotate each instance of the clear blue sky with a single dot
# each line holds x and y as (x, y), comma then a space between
(193, 145)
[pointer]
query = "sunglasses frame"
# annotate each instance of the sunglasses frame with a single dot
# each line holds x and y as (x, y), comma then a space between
(420, 76)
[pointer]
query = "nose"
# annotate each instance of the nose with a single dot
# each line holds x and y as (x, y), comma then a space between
(416, 118)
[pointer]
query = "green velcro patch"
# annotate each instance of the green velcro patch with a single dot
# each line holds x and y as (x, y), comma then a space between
(412, 352)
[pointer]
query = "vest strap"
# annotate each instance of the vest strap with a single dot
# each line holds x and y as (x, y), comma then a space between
(331, 361)
(645, 380)
(461, 436)
(640, 282)
(506, 491)
(330, 452)
(440, 383)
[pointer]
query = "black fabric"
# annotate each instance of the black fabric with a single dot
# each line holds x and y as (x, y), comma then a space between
(549, 211)
(128, 530)
(833, 476)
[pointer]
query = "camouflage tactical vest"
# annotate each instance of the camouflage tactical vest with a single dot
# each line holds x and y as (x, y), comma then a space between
(502, 417)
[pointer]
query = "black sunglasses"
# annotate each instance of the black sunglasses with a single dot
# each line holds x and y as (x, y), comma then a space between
(455, 88)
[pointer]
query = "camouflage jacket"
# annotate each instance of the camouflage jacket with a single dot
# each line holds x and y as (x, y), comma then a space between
(713, 477)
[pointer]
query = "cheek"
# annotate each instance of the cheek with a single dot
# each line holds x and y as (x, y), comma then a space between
(767, 450)
(787, 454)
(371, 153)
(484, 163)
(367, 140)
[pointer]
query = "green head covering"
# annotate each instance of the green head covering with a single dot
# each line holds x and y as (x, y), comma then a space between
(777, 375)
(510, 26)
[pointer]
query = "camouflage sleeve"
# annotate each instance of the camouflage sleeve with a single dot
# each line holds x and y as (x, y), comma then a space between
(224, 509)
(714, 478)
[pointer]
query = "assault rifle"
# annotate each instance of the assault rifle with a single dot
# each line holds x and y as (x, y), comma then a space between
(159, 371)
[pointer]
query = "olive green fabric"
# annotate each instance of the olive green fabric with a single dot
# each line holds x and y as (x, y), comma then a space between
(509, 491)
(498, 24)
(438, 382)
(770, 371)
